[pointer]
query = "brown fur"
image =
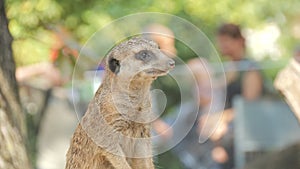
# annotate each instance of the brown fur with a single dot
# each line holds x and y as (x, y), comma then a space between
(115, 131)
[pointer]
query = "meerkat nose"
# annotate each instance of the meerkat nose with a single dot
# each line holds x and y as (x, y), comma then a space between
(171, 63)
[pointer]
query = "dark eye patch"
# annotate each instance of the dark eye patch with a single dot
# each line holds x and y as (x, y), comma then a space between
(114, 65)
(144, 55)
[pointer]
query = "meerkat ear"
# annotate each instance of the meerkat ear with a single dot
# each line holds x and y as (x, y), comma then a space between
(114, 65)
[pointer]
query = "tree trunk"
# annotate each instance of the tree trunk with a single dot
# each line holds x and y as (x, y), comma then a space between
(13, 153)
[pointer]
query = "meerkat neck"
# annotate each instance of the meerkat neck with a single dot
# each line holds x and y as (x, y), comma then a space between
(135, 91)
(130, 98)
(135, 87)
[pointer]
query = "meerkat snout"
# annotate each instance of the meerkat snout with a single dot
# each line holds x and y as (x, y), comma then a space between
(172, 63)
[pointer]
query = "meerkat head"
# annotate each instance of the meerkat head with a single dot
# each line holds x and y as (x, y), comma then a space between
(138, 57)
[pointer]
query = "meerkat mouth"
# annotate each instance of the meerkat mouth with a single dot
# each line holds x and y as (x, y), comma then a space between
(157, 72)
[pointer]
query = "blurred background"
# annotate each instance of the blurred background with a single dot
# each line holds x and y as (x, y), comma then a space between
(48, 36)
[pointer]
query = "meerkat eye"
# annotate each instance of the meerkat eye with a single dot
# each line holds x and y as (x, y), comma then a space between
(144, 55)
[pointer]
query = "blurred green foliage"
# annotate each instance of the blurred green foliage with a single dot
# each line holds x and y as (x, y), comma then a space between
(32, 21)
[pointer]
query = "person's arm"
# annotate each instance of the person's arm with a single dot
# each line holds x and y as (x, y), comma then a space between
(252, 85)
(162, 128)
(44, 70)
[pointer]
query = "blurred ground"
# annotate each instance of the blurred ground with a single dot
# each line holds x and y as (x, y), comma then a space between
(57, 128)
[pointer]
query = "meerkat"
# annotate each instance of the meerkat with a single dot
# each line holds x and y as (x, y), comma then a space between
(115, 130)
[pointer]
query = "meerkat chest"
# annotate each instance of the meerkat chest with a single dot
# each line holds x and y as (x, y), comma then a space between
(137, 140)
(137, 130)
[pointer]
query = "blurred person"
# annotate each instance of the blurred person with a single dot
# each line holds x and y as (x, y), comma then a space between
(164, 37)
(191, 153)
(45, 97)
(54, 72)
(232, 46)
(248, 84)
(46, 71)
